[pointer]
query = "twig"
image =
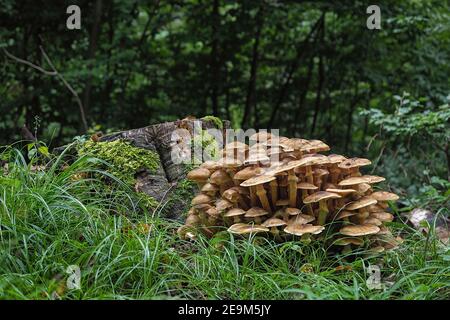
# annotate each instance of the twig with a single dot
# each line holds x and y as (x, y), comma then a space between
(54, 72)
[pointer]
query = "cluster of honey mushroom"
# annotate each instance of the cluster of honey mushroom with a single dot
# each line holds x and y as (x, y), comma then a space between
(285, 188)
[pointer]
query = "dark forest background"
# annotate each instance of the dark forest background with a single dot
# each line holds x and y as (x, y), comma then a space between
(309, 68)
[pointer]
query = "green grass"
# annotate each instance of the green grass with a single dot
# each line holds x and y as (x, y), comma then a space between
(49, 220)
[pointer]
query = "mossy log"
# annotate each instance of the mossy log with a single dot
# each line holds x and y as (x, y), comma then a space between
(166, 184)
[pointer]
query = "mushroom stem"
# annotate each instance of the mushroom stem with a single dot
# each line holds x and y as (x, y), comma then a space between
(347, 249)
(308, 206)
(309, 175)
(323, 212)
(253, 197)
(306, 238)
(292, 180)
(261, 192)
(242, 203)
(276, 233)
(274, 191)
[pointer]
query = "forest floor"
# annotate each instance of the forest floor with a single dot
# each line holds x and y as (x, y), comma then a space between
(53, 219)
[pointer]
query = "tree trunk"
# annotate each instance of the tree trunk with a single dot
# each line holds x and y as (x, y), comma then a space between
(215, 63)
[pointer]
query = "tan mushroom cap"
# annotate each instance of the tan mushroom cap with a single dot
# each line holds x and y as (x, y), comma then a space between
(261, 136)
(342, 192)
(336, 158)
(377, 249)
(192, 220)
(299, 229)
(254, 158)
(363, 187)
(344, 214)
(313, 159)
(352, 181)
(247, 173)
(354, 163)
(230, 162)
(212, 212)
(257, 180)
(286, 166)
(306, 186)
(231, 195)
(234, 212)
(361, 203)
(223, 204)
(242, 228)
(374, 221)
(320, 172)
(201, 199)
(293, 211)
(236, 145)
(384, 196)
(351, 240)
(219, 177)
(302, 219)
(359, 230)
(255, 212)
(374, 179)
(199, 174)
(211, 165)
(273, 222)
(382, 216)
(319, 196)
(209, 187)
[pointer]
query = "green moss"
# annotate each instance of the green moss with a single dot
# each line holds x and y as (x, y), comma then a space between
(205, 141)
(217, 122)
(124, 159)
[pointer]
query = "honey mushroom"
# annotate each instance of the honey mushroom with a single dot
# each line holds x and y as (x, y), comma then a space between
(210, 189)
(321, 197)
(245, 229)
(234, 196)
(236, 214)
(335, 171)
(352, 165)
(258, 183)
(361, 205)
(273, 224)
(256, 214)
(199, 176)
(305, 187)
(348, 242)
(303, 230)
(222, 179)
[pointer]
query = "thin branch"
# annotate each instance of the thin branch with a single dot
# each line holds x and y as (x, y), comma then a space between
(54, 72)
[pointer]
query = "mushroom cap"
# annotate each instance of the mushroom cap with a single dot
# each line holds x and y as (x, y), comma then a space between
(231, 195)
(273, 222)
(255, 212)
(375, 208)
(201, 199)
(351, 240)
(256, 157)
(354, 163)
(359, 230)
(243, 228)
(382, 216)
(320, 172)
(292, 211)
(377, 249)
(192, 220)
(363, 187)
(211, 165)
(336, 158)
(306, 186)
(314, 145)
(344, 213)
(213, 212)
(282, 202)
(223, 204)
(384, 196)
(209, 187)
(229, 162)
(361, 203)
(302, 219)
(202, 207)
(219, 177)
(234, 212)
(236, 145)
(342, 192)
(374, 221)
(257, 180)
(374, 179)
(198, 174)
(351, 181)
(319, 196)
(247, 173)
(299, 229)
(313, 159)
(286, 167)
